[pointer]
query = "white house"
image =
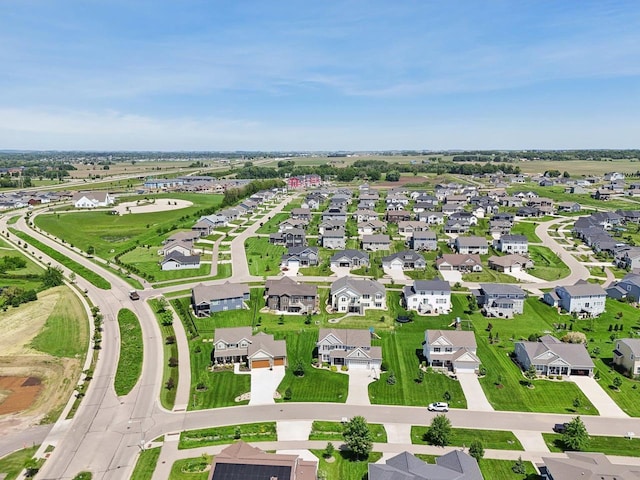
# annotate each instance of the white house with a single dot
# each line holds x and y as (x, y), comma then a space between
(451, 349)
(92, 199)
(427, 296)
(512, 244)
(356, 295)
(627, 354)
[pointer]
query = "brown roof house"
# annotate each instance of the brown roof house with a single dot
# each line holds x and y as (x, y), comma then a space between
(459, 262)
(510, 263)
(586, 466)
(287, 295)
(350, 347)
(238, 345)
(241, 461)
(451, 349)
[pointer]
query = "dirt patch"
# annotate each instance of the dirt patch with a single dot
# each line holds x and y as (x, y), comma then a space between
(22, 393)
(158, 205)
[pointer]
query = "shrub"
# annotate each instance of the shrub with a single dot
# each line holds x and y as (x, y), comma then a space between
(575, 337)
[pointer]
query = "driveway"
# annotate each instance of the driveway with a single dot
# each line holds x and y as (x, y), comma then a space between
(264, 382)
(340, 271)
(451, 276)
(297, 430)
(396, 273)
(525, 277)
(359, 380)
(594, 392)
(476, 399)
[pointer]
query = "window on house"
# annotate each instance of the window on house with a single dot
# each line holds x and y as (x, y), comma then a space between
(436, 349)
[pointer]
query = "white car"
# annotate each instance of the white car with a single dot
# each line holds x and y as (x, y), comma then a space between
(438, 407)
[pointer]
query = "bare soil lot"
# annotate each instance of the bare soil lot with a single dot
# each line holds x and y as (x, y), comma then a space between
(18, 392)
(158, 205)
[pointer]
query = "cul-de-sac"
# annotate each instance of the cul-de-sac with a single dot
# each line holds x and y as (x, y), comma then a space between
(386, 316)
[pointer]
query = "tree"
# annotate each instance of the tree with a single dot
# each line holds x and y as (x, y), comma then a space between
(52, 277)
(392, 176)
(171, 383)
(476, 450)
(575, 436)
(447, 396)
(472, 303)
(357, 436)
(328, 451)
(575, 337)
(31, 465)
(565, 174)
(519, 467)
(531, 374)
(617, 382)
(439, 431)
(577, 403)
(420, 377)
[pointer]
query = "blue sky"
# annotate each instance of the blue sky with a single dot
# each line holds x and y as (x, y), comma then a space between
(328, 75)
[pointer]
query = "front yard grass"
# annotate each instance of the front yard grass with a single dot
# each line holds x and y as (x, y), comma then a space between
(343, 466)
(598, 443)
(248, 432)
(146, 262)
(527, 229)
(546, 264)
(503, 470)
(146, 464)
(191, 468)
(494, 439)
(271, 226)
(263, 257)
(333, 431)
(13, 463)
(488, 275)
(170, 349)
(130, 361)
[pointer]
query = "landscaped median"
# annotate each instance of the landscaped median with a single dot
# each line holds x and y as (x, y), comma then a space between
(248, 432)
(131, 352)
(333, 431)
(170, 349)
(460, 437)
(72, 265)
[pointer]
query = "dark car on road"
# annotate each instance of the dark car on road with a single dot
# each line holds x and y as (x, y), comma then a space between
(560, 427)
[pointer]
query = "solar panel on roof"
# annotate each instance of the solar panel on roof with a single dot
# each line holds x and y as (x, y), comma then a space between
(238, 471)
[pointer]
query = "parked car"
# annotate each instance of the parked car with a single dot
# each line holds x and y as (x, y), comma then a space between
(133, 295)
(438, 407)
(560, 427)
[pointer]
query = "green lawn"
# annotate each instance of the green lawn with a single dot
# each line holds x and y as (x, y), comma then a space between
(146, 464)
(130, 361)
(106, 232)
(599, 443)
(167, 395)
(502, 470)
(528, 229)
(488, 275)
(547, 265)
(191, 468)
(13, 463)
(66, 331)
(343, 467)
(333, 431)
(271, 226)
(146, 262)
(494, 439)
(263, 257)
(249, 432)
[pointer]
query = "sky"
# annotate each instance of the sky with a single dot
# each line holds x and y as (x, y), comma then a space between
(326, 75)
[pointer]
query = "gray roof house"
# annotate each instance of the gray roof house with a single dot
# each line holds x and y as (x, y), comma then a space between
(356, 295)
(371, 227)
(408, 227)
(425, 240)
(459, 262)
(627, 354)
(333, 239)
(287, 295)
(550, 356)
(207, 299)
(427, 296)
(455, 465)
(300, 257)
(294, 237)
(500, 299)
(329, 225)
(628, 287)
(376, 242)
(512, 244)
(406, 260)
(586, 466)
(237, 344)
(347, 346)
(585, 299)
(471, 245)
(350, 258)
(175, 260)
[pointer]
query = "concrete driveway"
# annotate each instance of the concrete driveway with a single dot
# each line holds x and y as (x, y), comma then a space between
(359, 380)
(297, 430)
(264, 382)
(397, 274)
(340, 271)
(451, 276)
(595, 393)
(525, 277)
(476, 399)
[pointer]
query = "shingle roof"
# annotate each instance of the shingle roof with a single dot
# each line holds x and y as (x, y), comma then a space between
(348, 336)
(459, 338)
(584, 290)
(471, 241)
(361, 286)
(205, 293)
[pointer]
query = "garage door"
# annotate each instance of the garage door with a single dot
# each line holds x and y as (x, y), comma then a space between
(580, 372)
(465, 370)
(260, 364)
(278, 361)
(358, 363)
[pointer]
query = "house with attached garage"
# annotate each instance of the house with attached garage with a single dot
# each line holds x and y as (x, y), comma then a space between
(355, 295)
(471, 245)
(550, 356)
(455, 465)
(407, 228)
(427, 297)
(627, 288)
(291, 223)
(500, 299)
(426, 240)
(208, 299)
(181, 247)
(585, 299)
(376, 242)
(365, 215)
(287, 295)
(395, 216)
(459, 263)
(175, 260)
(350, 259)
(406, 260)
(456, 226)
(512, 244)
(371, 227)
(301, 214)
(431, 218)
(451, 349)
(350, 347)
(300, 257)
(238, 345)
(587, 466)
(510, 263)
(329, 225)
(92, 199)
(294, 237)
(333, 239)
(628, 257)
(335, 213)
(569, 207)
(627, 354)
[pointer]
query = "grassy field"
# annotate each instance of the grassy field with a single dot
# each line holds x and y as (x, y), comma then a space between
(190, 468)
(343, 467)
(13, 463)
(167, 395)
(146, 464)
(66, 332)
(494, 439)
(528, 229)
(333, 431)
(111, 234)
(146, 260)
(249, 432)
(603, 444)
(263, 257)
(271, 225)
(546, 264)
(131, 354)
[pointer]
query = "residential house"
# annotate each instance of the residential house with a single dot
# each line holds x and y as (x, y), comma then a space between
(291, 223)
(629, 216)
(350, 259)
(238, 345)
(451, 349)
(627, 288)
(181, 247)
(569, 207)
(407, 228)
(602, 194)
(187, 238)
(395, 216)
(510, 263)
(451, 208)
(613, 176)
(459, 262)
(355, 295)
(333, 239)
(335, 213)
(376, 242)
(427, 297)
(577, 190)
(431, 218)
(628, 258)
(455, 465)
(92, 199)
(499, 227)
(545, 205)
(583, 298)
(406, 260)
(550, 356)
(208, 299)
(177, 261)
(471, 245)
(304, 181)
(329, 225)
(302, 256)
(365, 215)
(294, 237)
(350, 347)
(587, 466)
(372, 227)
(287, 295)
(627, 354)
(301, 214)
(512, 244)
(528, 212)
(500, 299)
(456, 226)
(425, 240)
